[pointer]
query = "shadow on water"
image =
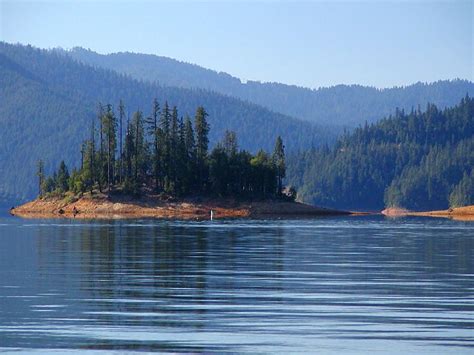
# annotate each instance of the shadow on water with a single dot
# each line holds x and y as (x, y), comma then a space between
(338, 284)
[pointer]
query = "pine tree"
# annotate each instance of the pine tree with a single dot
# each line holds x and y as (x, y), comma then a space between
(128, 155)
(463, 192)
(121, 116)
(174, 153)
(182, 159)
(263, 182)
(101, 175)
(92, 159)
(165, 140)
(41, 177)
(139, 155)
(202, 142)
(190, 153)
(229, 143)
(84, 179)
(152, 125)
(109, 127)
(278, 159)
(62, 178)
(230, 146)
(83, 151)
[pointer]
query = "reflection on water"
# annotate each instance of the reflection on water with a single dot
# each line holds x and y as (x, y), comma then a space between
(332, 285)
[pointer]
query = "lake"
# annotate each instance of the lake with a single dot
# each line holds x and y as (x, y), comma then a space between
(330, 285)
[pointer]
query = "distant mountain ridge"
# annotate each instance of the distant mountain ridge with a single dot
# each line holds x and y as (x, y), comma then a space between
(48, 100)
(342, 105)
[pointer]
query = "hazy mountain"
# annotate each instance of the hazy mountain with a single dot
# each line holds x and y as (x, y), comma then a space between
(339, 105)
(48, 102)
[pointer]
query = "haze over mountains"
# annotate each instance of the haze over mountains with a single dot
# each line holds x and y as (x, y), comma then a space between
(48, 97)
(341, 105)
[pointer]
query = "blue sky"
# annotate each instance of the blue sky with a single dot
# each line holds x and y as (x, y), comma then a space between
(311, 43)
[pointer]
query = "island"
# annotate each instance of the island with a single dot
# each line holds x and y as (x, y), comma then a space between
(160, 166)
(118, 207)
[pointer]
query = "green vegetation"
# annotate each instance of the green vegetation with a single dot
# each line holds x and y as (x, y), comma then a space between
(418, 160)
(165, 153)
(48, 98)
(463, 193)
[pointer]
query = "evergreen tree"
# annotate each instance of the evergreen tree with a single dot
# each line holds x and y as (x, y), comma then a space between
(190, 154)
(121, 117)
(165, 142)
(219, 173)
(85, 179)
(182, 160)
(463, 193)
(92, 177)
(41, 176)
(139, 155)
(202, 142)
(62, 179)
(263, 183)
(278, 159)
(101, 159)
(230, 146)
(152, 123)
(49, 184)
(109, 127)
(174, 152)
(128, 156)
(75, 182)
(229, 143)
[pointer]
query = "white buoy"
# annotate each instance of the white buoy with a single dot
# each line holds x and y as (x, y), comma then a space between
(212, 215)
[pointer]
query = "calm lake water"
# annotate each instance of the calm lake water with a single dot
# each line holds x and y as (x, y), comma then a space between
(329, 285)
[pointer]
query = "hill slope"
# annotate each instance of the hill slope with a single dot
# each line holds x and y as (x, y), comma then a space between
(47, 102)
(420, 161)
(341, 105)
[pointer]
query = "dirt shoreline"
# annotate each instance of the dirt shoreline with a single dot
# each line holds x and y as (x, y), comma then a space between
(119, 207)
(459, 213)
(154, 207)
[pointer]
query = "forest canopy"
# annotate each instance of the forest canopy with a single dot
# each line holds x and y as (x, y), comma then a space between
(165, 153)
(417, 160)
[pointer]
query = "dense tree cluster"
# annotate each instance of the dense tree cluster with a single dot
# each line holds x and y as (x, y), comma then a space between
(418, 160)
(166, 153)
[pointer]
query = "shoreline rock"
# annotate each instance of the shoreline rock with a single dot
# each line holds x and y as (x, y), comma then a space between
(102, 207)
(465, 213)
(395, 212)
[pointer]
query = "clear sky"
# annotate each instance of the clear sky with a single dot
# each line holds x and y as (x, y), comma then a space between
(311, 43)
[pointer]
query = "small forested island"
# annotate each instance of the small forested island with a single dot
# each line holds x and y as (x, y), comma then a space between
(160, 166)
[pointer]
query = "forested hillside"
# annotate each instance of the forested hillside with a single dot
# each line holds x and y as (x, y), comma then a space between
(47, 99)
(343, 105)
(417, 160)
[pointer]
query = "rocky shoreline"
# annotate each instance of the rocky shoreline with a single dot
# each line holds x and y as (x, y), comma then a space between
(103, 207)
(460, 213)
(115, 207)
